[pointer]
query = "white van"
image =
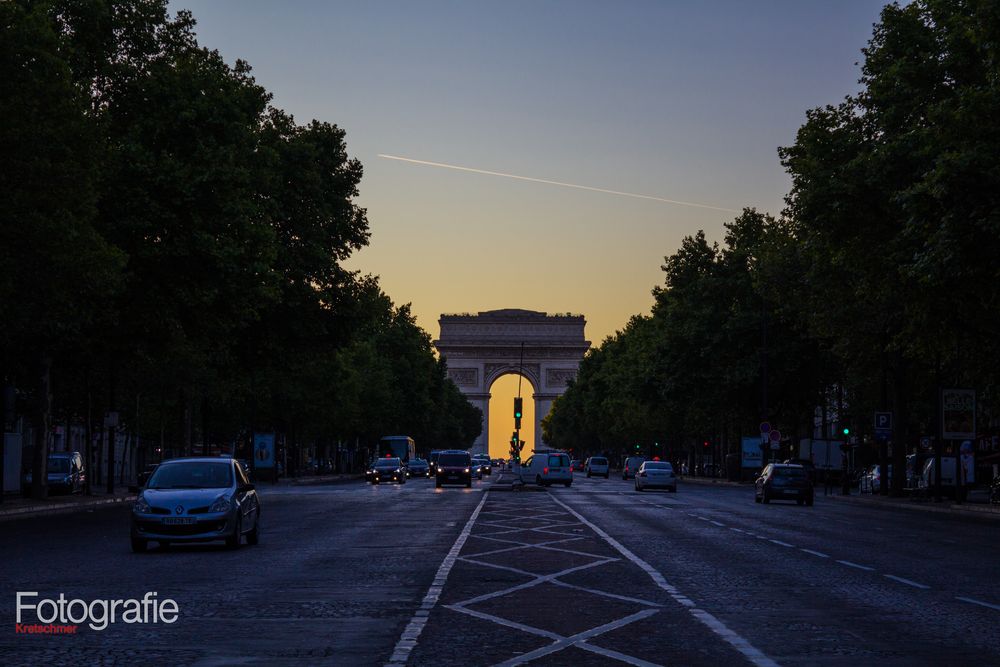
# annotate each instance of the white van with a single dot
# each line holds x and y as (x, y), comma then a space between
(597, 465)
(547, 467)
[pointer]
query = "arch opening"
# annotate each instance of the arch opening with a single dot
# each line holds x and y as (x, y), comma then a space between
(502, 391)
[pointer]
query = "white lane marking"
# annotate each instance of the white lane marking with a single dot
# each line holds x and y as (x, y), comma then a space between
(780, 543)
(860, 567)
(908, 582)
(754, 655)
(738, 530)
(720, 525)
(980, 603)
(408, 640)
(565, 642)
(815, 553)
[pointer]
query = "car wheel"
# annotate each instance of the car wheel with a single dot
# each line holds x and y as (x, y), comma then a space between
(588, 475)
(566, 484)
(756, 498)
(402, 481)
(468, 484)
(765, 499)
(139, 545)
(253, 537)
(673, 489)
(799, 502)
(437, 483)
(809, 502)
(233, 542)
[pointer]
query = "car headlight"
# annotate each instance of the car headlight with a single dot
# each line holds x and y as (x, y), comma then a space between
(141, 506)
(221, 504)
(466, 470)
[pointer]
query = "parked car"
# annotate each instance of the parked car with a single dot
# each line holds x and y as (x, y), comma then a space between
(196, 500)
(64, 474)
(631, 466)
(783, 481)
(597, 465)
(871, 481)
(387, 469)
(656, 475)
(547, 467)
(576, 465)
(454, 466)
(418, 468)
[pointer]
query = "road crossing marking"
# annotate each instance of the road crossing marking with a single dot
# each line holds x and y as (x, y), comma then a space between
(408, 640)
(751, 653)
(559, 642)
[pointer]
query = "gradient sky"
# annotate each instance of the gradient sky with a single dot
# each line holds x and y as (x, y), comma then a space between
(677, 100)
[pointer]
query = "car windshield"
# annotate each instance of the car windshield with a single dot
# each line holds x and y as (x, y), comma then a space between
(598, 461)
(418, 462)
(659, 465)
(58, 464)
(192, 475)
(387, 463)
(792, 473)
(557, 460)
(453, 459)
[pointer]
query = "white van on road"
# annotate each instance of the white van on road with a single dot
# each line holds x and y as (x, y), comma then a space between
(547, 467)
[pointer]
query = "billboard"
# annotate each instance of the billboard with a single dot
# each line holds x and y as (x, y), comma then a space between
(263, 450)
(958, 414)
(750, 456)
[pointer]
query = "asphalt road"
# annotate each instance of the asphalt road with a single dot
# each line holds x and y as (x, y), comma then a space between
(591, 575)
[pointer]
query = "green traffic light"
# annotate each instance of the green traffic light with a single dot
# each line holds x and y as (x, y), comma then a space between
(847, 431)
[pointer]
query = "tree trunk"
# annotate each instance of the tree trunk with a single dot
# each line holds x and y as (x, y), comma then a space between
(43, 418)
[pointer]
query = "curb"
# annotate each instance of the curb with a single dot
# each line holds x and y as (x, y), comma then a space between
(950, 508)
(64, 508)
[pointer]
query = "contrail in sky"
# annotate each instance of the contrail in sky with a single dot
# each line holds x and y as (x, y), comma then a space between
(565, 185)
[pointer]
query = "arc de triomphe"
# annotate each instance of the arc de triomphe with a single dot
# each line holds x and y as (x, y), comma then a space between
(482, 347)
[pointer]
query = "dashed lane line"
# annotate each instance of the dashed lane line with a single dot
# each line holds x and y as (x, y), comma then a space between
(741, 644)
(408, 640)
(979, 602)
(815, 553)
(782, 544)
(855, 565)
(908, 582)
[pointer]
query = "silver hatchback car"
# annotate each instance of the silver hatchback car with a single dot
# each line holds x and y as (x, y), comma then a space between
(196, 500)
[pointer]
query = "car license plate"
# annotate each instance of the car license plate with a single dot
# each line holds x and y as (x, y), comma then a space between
(789, 491)
(179, 520)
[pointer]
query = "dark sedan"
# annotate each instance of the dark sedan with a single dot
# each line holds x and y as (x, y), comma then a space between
(388, 469)
(783, 481)
(418, 468)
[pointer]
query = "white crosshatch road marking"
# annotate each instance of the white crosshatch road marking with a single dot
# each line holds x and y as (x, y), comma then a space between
(544, 522)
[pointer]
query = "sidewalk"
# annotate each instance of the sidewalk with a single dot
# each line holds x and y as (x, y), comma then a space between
(14, 507)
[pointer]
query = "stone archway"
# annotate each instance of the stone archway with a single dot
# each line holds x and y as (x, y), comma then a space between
(482, 347)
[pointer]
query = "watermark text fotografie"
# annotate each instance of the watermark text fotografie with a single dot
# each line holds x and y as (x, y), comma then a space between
(59, 616)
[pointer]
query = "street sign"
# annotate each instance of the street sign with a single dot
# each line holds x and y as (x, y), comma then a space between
(775, 436)
(958, 414)
(765, 427)
(883, 421)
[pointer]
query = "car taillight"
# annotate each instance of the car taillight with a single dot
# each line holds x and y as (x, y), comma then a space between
(545, 470)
